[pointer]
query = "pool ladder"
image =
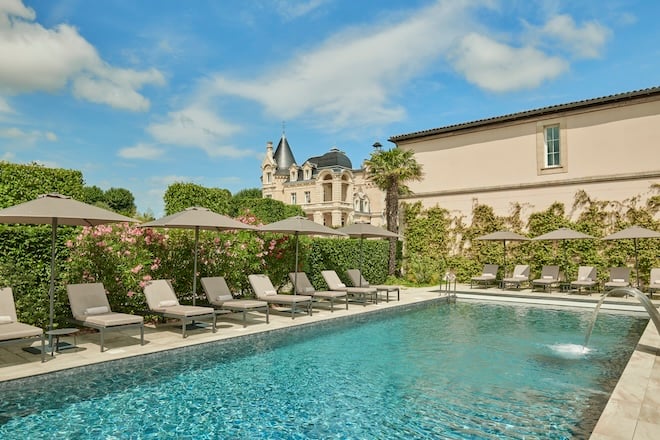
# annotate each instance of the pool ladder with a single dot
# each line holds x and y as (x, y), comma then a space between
(449, 287)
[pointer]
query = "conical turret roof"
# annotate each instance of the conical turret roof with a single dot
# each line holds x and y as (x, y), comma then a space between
(283, 156)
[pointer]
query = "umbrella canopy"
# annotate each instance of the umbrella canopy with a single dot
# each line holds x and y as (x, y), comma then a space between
(633, 233)
(298, 225)
(56, 209)
(197, 218)
(563, 234)
(366, 230)
(503, 236)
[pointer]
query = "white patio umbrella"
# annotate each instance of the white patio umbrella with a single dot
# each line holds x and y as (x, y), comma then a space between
(197, 218)
(563, 234)
(57, 209)
(366, 230)
(633, 233)
(503, 236)
(298, 225)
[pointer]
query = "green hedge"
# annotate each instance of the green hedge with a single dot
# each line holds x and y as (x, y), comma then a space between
(25, 251)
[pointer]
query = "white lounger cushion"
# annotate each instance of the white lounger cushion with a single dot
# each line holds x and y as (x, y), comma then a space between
(97, 310)
(167, 303)
(270, 292)
(618, 280)
(5, 319)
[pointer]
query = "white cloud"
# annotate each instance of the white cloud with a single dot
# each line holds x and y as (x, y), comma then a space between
(27, 137)
(586, 41)
(347, 81)
(49, 59)
(12, 132)
(140, 151)
(8, 156)
(4, 106)
(197, 127)
(166, 181)
(501, 68)
(292, 9)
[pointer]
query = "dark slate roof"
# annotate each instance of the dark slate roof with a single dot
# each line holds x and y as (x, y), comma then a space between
(553, 109)
(283, 156)
(332, 159)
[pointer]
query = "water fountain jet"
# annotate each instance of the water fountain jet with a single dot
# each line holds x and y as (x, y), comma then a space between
(632, 291)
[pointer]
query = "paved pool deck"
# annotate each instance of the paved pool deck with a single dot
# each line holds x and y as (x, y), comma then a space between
(632, 413)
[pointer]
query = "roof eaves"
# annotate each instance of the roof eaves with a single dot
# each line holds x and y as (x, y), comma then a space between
(529, 114)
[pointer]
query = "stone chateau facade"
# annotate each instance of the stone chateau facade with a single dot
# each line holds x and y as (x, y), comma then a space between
(326, 187)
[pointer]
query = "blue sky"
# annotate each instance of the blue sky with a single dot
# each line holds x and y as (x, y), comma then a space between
(141, 94)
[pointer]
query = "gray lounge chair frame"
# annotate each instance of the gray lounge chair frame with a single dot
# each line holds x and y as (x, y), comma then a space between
(360, 293)
(549, 278)
(586, 279)
(654, 281)
(16, 332)
(264, 290)
(519, 277)
(83, 297)
(488, 275)
(219, 296)
(618, 273)
(358, 280)
(305, 287)
(158, 291)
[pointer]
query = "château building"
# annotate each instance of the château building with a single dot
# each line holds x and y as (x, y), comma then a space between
(326, 187)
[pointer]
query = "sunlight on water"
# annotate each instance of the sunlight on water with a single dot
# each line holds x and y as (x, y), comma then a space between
(570, 351)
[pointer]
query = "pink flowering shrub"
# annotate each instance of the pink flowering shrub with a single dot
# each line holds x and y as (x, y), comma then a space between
(121, 256)
(124, 257)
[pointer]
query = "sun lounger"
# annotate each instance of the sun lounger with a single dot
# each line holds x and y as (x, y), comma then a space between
(586, 279)
(264, 290)
(90, 308)
(162, 300)
(519, 277)
(361, 293)
(304, 287)
(219, 296)
(549, 277)
(12, 331)
(654, 281)
(358, 280)
(619, 277)
(488, 275)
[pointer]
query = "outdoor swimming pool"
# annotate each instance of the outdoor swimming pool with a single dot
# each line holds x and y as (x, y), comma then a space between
(465, 370)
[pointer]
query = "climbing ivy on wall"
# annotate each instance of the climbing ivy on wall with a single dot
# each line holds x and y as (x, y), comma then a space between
(436, 242)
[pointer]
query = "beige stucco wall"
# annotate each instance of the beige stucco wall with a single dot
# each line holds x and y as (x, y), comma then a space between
(612, 152)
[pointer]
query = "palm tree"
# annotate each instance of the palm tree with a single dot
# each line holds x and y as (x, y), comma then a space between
(390, 170)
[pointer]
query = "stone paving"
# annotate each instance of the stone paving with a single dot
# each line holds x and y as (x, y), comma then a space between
(632, 413)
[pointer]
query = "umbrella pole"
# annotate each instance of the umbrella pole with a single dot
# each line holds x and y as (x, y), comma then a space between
(194, 291)
(504, 243)
(295, 269)
(360, 284)
(51, 289)
(636, 263)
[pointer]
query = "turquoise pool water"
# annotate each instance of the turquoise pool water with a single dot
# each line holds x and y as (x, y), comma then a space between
(463, 371)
